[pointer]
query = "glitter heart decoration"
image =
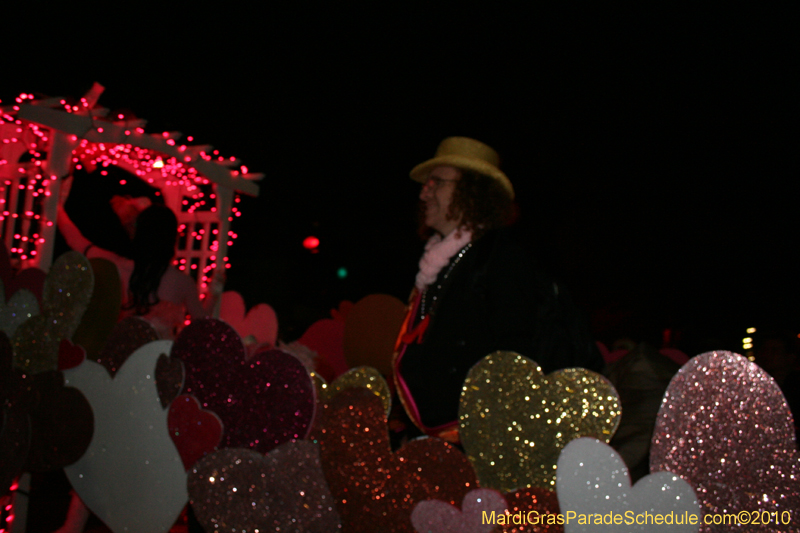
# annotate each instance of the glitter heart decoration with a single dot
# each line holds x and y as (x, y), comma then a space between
(242, 490)
(435, 516)
(262, 402)
(376, 489)
(35, 346)
(362, 376)
(514, 421)
(725, 427)
(595, 494)
(67, 290)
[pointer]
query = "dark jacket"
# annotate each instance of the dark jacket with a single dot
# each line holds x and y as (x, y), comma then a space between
(494, 299)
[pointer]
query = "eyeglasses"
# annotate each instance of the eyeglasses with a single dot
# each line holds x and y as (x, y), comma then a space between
(435, 182)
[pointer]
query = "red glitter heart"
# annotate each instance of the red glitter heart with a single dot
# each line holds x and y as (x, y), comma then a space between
(70, 355)
(194, 430)
(375, 489)
(725, 427)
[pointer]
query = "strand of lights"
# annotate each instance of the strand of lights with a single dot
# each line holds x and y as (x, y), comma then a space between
(22, 192)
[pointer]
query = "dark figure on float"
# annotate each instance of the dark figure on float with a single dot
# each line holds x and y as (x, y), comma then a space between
(477, 291)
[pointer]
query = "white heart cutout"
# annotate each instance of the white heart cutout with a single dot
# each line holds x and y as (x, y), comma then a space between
(131, 476)
(595, 494)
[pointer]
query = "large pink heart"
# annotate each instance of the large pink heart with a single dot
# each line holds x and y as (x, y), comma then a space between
(262, 402)
(724, 426)
(242, 490)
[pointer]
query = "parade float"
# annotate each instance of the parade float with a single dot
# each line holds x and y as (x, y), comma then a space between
(256, 442)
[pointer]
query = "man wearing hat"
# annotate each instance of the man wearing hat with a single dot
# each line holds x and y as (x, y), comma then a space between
(477, 290)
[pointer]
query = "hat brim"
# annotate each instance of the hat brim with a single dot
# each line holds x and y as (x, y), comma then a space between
(420, 172)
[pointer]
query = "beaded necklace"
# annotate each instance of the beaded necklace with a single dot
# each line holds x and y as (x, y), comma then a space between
(439, 284)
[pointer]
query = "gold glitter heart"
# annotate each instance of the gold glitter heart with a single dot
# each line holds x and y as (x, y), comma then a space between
(362, 376)
(515, 421)
(67, 291)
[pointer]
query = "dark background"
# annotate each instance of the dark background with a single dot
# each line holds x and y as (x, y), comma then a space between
(653, 149)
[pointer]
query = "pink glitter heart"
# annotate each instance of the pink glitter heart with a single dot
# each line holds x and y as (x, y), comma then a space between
(724, 426)
(262, 402)
(435, 516)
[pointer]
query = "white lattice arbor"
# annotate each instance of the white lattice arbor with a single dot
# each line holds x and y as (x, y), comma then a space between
(42, 141)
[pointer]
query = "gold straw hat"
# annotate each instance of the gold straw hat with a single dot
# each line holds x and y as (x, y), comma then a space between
(466, 154)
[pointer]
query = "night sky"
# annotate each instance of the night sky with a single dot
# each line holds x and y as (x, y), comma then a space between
(653, 150)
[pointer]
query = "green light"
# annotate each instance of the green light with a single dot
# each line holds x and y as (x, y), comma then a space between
(341, 273)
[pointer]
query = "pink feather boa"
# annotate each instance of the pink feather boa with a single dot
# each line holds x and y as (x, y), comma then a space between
(437, 255)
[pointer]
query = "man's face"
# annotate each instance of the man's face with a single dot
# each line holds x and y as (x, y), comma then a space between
(436, 196)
